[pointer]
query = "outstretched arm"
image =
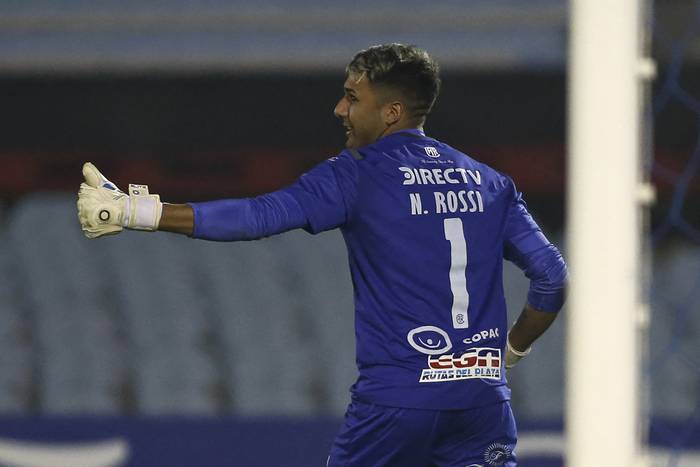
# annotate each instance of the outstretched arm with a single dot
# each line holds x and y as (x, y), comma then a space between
(103, 209)
(316, 202)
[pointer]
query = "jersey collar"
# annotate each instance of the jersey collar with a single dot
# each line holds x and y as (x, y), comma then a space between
(409, 132)
(416, 132)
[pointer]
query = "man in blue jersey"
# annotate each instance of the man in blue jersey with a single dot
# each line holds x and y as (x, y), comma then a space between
(427, 228)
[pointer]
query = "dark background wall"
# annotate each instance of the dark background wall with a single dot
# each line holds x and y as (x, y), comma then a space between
(215, 135)
(197, 136)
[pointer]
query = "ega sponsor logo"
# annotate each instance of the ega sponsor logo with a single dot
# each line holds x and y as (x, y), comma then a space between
(476, 363)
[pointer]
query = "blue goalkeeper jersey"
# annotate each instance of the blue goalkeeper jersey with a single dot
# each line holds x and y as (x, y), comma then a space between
(426, 228)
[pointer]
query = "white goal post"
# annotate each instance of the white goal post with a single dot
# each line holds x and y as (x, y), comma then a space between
(606, 74)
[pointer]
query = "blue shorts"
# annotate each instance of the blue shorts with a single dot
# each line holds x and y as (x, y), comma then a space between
(374, 436)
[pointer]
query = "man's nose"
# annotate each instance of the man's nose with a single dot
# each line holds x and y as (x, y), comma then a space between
(341, 108)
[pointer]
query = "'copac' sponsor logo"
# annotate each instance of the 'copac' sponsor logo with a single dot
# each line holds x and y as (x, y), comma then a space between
(476, 363)
(482, 335)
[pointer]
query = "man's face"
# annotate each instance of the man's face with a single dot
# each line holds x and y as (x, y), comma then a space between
(360, 109)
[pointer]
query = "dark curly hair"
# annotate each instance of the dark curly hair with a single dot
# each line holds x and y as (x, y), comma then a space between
(405, 68)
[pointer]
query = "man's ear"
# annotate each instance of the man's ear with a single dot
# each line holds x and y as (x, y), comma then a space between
(393, 111)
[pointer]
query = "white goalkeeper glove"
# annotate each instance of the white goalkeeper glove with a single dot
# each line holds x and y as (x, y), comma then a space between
(514, 356)
(103, 209)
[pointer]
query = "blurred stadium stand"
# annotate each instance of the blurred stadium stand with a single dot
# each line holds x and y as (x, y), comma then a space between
(262, 327)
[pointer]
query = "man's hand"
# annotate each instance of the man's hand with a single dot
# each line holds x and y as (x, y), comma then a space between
(103, 209)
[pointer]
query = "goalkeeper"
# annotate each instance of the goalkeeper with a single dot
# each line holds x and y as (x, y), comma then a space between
(426, 228)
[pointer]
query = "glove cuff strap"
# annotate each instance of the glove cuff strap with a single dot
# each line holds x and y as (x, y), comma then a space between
(144, 210)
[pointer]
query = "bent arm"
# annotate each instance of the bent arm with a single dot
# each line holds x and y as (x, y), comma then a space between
(527, 247)
(547, 272)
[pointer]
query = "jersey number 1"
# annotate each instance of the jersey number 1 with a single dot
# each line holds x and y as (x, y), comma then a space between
(454, 233)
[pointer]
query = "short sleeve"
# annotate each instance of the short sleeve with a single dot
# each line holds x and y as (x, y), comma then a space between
(327, 193)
